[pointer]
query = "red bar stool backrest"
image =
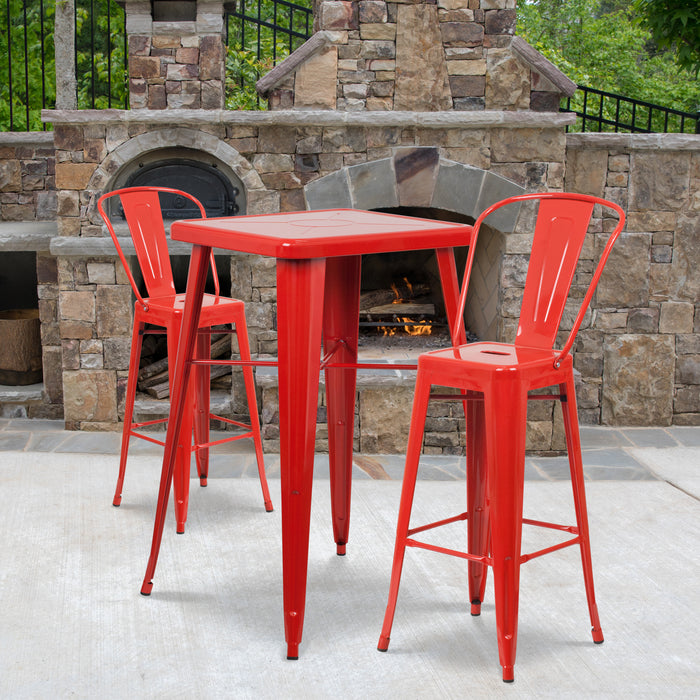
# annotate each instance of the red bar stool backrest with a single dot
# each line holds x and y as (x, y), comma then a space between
(142, 210)
(558, 239)
(563, 219)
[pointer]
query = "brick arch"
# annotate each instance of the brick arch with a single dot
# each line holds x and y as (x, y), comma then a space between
(110, 172)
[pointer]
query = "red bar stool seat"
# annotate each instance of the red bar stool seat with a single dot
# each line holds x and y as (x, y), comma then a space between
(494, 381)
(163, 308)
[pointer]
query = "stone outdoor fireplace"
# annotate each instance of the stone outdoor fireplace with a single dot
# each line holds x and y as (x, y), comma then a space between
(432, 108)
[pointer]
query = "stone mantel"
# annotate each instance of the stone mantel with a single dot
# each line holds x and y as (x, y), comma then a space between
(77, 246)
(27, 138)
(424, 120)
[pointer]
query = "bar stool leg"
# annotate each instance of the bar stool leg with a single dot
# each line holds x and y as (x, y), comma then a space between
(506, 415)
(413, 450)
(477, 505)
(132, 380)
(249, 382)
(573, 444)
(202, 382)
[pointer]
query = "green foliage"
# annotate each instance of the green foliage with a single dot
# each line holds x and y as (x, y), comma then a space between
(101, 54)
(674, 25)
(243, 70)
(599, 43)
(26, 82)
(254, 49)
(101, 57)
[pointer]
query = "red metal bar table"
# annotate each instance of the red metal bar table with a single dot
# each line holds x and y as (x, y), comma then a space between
(318, 287)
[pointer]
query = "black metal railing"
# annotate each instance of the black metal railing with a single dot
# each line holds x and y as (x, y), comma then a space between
(269, 28)
(28, 64)
(261, 33)
(101, 54)
(600, 111)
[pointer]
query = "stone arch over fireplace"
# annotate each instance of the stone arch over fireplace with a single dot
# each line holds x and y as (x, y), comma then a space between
(120, 163)
(418, 178)
(413, 177)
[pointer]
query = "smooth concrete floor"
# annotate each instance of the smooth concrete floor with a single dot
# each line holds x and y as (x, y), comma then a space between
(74, 624)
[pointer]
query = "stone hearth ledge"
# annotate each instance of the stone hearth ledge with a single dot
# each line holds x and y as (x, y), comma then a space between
(296, 117)
(26, 235)
(102, 246)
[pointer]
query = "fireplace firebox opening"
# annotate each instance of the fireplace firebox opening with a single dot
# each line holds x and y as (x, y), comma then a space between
(401, 300)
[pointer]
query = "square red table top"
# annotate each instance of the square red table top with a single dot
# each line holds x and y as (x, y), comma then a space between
(321, 233)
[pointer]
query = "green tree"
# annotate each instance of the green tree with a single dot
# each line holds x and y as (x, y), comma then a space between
(600, 44)
(675, 25)
(27, 62)
(27, 73)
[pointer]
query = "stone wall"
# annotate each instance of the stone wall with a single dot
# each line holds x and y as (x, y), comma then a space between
(416, 56)
(638, 354)
(27, 177)
(277, 158)
(640, 360)
(28, 201)
(645, 299)
(176, 64)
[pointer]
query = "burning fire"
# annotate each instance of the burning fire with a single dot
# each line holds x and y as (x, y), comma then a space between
(416, 328)
(411, 327)
(398, 299)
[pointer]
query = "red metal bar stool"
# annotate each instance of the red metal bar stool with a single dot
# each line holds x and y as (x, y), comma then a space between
(494, 381)
(141, 208)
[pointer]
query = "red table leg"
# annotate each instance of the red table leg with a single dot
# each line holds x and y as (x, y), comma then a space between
(340, 329)
(450, 285)
(299, 319)
(196, 279)
(181, 475)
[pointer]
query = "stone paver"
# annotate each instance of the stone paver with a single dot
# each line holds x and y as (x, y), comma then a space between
(608, 453)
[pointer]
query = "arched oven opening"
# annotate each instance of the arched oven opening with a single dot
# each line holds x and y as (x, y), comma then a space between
(212, 181)
(202, 180)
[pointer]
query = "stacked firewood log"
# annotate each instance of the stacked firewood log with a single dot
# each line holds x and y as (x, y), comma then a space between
(153, 374)
(401, 300)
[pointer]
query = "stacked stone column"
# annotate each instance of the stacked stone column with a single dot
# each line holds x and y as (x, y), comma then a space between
(424, 55)
(176, 64)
